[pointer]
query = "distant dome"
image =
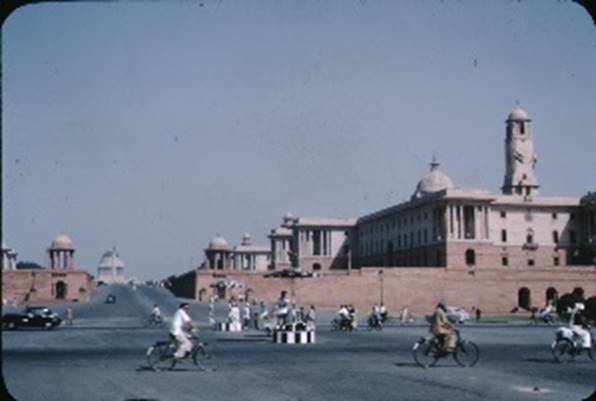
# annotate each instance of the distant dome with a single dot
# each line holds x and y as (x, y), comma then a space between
(288, 215)
(62, 242)
(218, 242)
(518, 114)
(434, 181)
(246, 240)
(109, 258)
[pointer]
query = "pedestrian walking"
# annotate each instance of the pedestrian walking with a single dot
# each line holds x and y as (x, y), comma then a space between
(478, 314)
(69, 315)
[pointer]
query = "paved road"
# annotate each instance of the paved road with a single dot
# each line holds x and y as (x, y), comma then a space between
(101, 357)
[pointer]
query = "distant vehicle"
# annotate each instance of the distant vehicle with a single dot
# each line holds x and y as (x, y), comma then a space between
(457, 315)
(33, 316)
(111, 299)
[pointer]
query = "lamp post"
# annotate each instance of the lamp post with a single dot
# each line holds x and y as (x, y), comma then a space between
(381, 286)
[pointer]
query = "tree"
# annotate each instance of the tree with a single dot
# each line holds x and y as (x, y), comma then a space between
(28, 265)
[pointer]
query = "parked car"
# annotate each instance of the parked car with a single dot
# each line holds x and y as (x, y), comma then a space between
(457, 315)
(111, 299)
(32, 316)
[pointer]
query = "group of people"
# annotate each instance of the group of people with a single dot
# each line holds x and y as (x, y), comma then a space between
(286, 312)
(378, 315)
(256, 314)
(347, 318)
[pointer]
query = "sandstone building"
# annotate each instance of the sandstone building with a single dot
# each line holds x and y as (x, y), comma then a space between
(59, 281)
(472, 246)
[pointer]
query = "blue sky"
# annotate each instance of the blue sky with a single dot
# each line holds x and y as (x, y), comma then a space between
(154, 126)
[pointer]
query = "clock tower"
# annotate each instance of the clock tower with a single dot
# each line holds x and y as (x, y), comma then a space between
(520, 159)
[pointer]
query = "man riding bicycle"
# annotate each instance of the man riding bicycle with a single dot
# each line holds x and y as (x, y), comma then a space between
(156, 314)
(181, 323)
(442, 329)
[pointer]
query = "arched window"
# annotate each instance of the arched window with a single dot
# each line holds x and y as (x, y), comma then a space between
(555, 237)
(530, 236)
(60, 290)
(523, 298)
(470, 257)
(551, 295)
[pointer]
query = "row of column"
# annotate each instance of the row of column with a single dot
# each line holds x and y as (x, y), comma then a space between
(9, 260)
(307, 243)
(454, 216)
(61, 259)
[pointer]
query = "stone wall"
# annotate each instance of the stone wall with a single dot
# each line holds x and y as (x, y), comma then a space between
(39, 286)
(419, 289)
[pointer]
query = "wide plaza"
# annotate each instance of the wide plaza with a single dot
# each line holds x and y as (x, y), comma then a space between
(102, 357)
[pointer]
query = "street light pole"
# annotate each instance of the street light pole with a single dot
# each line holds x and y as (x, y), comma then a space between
(381, 284)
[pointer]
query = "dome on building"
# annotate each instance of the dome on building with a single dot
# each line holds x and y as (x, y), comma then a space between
(62, 242)
(111, 257)
(246, 240)
(434, 181)
(518, 114)
(218, 242)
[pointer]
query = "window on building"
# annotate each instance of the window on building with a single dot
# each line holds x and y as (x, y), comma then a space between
(469, 223)
(470, 257)
(316, 236)
(523, 298)
(530, 236)
(503, 214)
(505, 261)
(530, 262)
(522, 128)
(572, 237)
(555, 237)
(425, 236)
(555, 216)
(503, 235)
(556, 261)
(419, 238)
(411, 239)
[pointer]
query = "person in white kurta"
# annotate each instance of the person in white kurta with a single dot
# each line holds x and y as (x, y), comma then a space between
(180, 322)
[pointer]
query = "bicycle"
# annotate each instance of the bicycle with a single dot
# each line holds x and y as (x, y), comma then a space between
(374, 323)
(428, 350)
(160, 356)
(568, 345)
(153, 321)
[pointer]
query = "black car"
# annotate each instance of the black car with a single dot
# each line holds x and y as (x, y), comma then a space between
(32, 316)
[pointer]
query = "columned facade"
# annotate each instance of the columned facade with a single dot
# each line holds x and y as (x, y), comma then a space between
(9, 258)
(61, 253)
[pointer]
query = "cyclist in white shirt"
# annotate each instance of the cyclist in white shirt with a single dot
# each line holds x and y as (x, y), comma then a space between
(180, 324)
(156, 314)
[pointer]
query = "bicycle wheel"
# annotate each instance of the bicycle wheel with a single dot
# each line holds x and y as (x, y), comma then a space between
(199, 356)
(160, 357)
(562, 350)
(425, 353)
(466, 354)
(592, 351)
